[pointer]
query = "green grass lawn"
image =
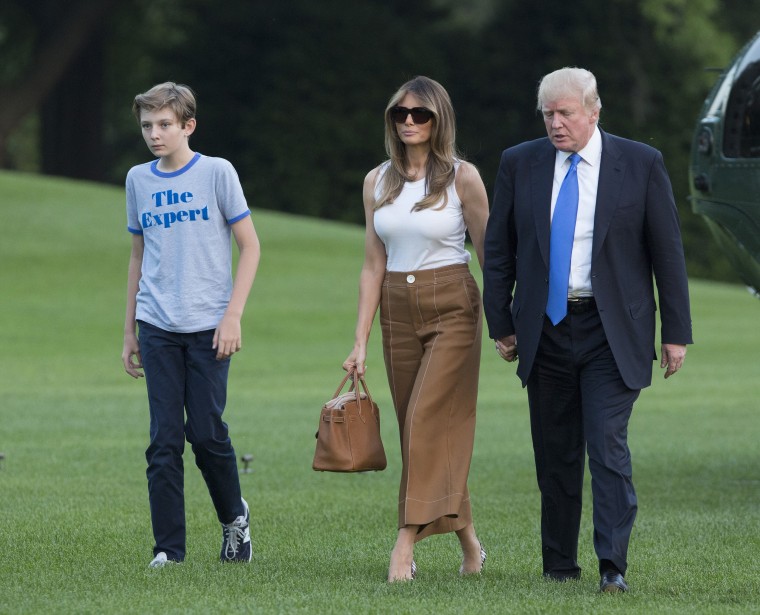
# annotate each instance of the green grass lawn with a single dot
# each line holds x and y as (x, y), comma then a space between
(74, 522)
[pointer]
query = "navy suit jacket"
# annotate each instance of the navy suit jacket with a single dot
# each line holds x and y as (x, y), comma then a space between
(636, 237)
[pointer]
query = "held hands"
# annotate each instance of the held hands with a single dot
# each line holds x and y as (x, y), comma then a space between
(507, 348)
(130, 356)
(672, 358)
(228, 338)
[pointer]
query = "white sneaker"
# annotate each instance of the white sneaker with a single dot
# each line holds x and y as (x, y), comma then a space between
(159, 561)
(236, 539)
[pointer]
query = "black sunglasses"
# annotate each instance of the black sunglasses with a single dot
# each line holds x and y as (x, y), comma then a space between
(420, 115)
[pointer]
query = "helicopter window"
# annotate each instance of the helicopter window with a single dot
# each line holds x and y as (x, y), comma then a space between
(742, 132)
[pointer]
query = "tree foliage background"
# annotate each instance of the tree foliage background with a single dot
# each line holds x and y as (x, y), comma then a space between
(292, 91)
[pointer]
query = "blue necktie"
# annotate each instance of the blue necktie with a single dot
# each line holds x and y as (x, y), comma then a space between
(561, 242)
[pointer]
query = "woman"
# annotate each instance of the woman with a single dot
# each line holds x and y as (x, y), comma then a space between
(418, 205)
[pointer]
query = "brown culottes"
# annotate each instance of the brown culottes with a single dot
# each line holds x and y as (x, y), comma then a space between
(431, 324)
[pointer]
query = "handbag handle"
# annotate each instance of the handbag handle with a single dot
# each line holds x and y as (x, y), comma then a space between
(364, 384)
(355, 380)
(343, 383)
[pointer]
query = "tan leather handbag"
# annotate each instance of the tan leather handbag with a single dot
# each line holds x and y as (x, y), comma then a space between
(348, 437)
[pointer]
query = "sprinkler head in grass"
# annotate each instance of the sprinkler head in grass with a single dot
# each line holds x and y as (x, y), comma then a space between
(247, 459)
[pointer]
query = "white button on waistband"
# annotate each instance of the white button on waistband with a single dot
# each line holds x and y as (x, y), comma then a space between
(410, 279)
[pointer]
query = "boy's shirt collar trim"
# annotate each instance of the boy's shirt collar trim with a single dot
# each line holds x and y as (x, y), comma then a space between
(155, 171)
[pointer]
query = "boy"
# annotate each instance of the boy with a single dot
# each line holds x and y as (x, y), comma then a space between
(181, 298)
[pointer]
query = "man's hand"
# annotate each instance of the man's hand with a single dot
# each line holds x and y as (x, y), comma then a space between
(507, 348)
(672, 358)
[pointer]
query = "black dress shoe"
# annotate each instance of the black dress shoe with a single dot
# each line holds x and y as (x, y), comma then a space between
(612, 583)
(562, 576)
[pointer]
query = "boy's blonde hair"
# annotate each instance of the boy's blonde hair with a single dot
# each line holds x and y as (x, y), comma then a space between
(178, 97)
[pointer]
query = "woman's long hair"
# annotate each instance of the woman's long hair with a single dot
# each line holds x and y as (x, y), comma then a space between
(440, 171)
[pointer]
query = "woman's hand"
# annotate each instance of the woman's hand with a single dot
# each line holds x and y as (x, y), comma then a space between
(357, 360)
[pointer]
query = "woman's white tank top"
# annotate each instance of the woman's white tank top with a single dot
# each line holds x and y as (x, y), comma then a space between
(425, 239)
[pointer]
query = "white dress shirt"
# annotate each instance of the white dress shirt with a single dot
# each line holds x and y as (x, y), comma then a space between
(588, 182)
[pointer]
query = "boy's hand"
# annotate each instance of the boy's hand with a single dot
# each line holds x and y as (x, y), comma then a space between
(130, 356)
(228, 338)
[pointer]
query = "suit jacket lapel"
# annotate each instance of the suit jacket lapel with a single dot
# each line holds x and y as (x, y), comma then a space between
(611, 175)
(542, 176)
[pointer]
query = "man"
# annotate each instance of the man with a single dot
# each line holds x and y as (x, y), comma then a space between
(582, 309)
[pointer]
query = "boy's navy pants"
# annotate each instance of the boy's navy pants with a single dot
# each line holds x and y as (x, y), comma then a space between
(187, 392)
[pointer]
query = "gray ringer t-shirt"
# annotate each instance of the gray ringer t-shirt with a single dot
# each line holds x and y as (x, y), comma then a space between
(184, 218)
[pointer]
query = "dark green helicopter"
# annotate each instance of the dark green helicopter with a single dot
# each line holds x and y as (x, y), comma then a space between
(724, 174)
